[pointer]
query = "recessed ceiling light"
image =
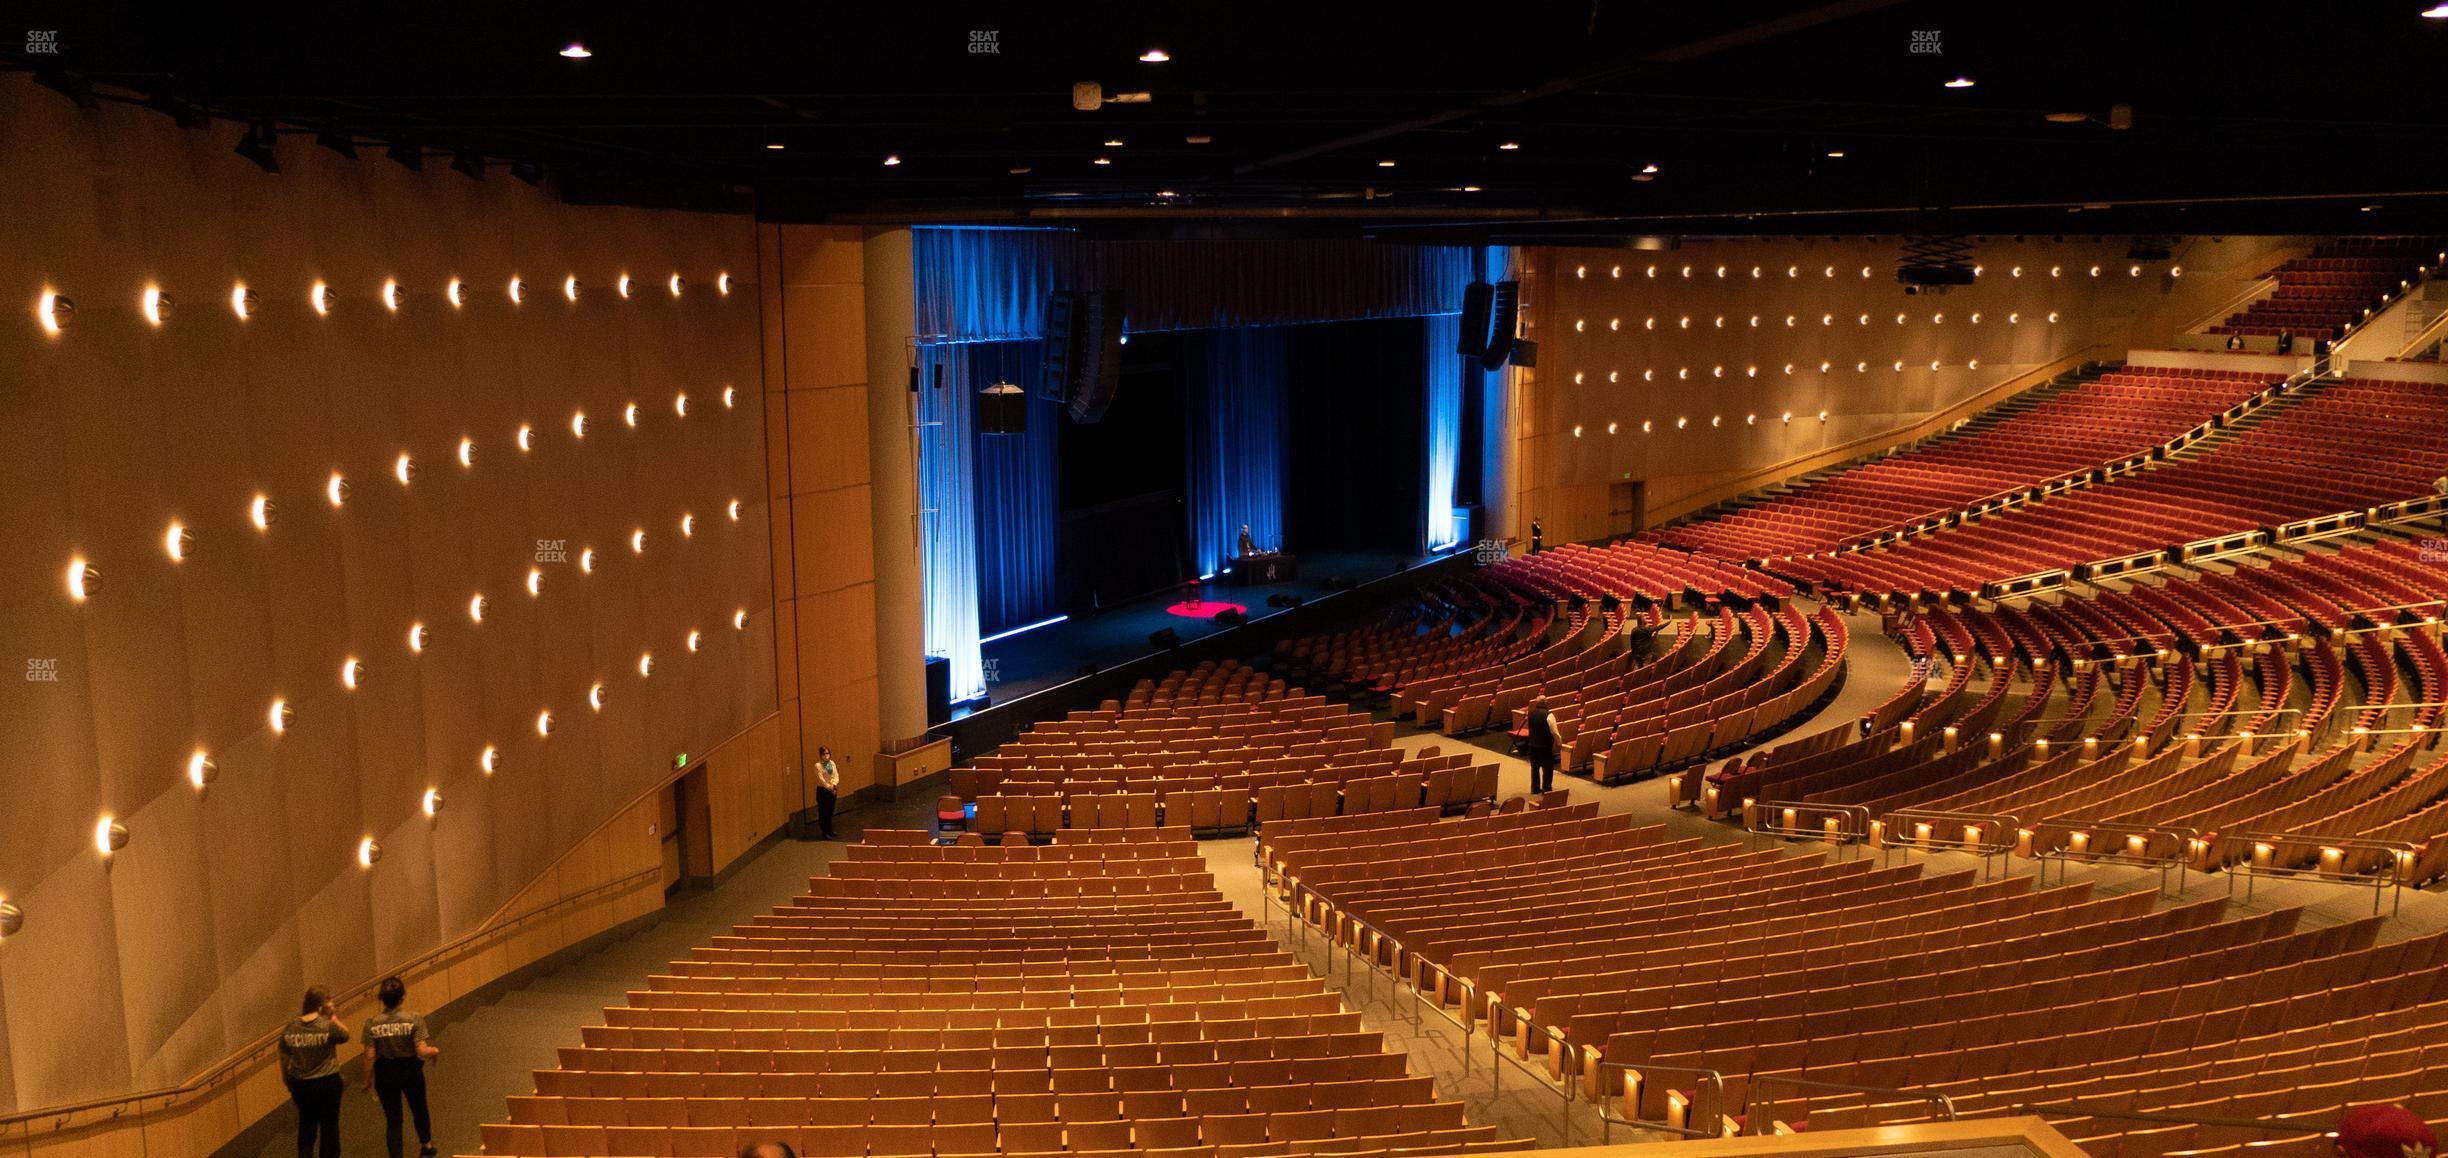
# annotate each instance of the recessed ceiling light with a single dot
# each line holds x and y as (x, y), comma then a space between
(1510, 146)
(2436, 12)
(1154, 56)
(1836, 153)
(891, 159)
(1198, 139)
(776, 146)
(1018, 170)
(1388, 163)
(576, 51)
(1470, 188)
(1113, 142)
(1104, 161)
(1649, 169)
(2067, 118)
(1960, 82)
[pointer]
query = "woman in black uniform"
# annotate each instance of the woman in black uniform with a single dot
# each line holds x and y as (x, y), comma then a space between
(396, 1052)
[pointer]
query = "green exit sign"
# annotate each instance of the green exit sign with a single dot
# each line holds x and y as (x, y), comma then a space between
(679, 760)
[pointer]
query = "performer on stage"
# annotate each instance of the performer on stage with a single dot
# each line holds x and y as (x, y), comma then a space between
(1248, 546)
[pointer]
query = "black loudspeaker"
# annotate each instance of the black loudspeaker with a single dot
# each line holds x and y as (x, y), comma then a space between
(1165, 640)
(1061, 337)
(938, 689)
(1504, 315)
(1525, 352)
(1477, 297)
(1096, 362)
(1002, 409)
(1231, 618)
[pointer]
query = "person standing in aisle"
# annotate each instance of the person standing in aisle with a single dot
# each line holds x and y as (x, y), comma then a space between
(397, 1048)
(310, 1066)
(1540, 746)
(828, 785)
(1538, 535)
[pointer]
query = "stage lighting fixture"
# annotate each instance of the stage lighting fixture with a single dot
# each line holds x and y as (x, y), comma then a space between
(532, 172)
(258, 145)
(470, 163)
(409, 154)
(187, 114)
(69, 82)
(337, 138)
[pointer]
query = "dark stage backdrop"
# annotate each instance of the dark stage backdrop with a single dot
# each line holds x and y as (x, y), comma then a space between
(1355, 404)
(1124, 531)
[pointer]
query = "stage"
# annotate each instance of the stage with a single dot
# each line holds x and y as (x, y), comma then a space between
(1038, 672)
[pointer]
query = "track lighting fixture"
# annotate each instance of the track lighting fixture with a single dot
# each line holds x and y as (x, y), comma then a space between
(409, 154)
(469, 163)
(337, 138)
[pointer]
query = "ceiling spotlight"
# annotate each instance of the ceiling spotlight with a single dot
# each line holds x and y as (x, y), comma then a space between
(2436, 12)
(1154, 56)
(1960, 82)
(578, 425)
(688, 526)
(1198, 139)
(1113, 142)
(156, 305)
(257, 145)
(12, 919)
(54, 312)
(1019, 170)
(200, 770)
(586, 560)
(2066, 118)
(337, 138)
(734, 510)
(411, 156)
(629, 414)
(576, 51)
(675, 283)
(391, 296)
(637, 541)
(621, 285)
(468, 163)
(891, 159)
(322, 298)
(109, 836)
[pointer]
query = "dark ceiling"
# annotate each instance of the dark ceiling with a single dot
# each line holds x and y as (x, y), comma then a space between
(2245, 117)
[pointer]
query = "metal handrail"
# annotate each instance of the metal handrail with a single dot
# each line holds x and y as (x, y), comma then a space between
(2187, 841)
(252, 1050)
(2400, 858)
(2274, 1125)
(1707, 1103)
(1756, 1123)
(1790, 813)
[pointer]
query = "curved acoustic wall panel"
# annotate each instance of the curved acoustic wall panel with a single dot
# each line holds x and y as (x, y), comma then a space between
(293, 561)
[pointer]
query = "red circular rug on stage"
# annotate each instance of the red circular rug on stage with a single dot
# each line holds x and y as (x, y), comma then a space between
(1205, 609)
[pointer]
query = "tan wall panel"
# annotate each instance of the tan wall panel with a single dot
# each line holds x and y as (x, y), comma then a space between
(828, 345)
(828, 438)
(833, 550)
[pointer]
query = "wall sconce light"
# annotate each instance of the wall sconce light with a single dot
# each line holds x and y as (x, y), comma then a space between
(518, 291)
(263, 512)
(544, 723)
(722, 284)
(622, 285)
(321, 298)
(178, 542)
(629, 415)
(456, 292)
(680, 404)
(694, 637)
(739, 619)
(729, 392)
(54, 312)
(280, 716)
(417, 637)
(733, 510)
(242, 301)
(526, 436)
(368, 852)
(489, 761)
(535, 581)
(109, 836)
(569, 287)
(578, 424)
(476, 608)
(637, 541)
(201, 771)
(433, 802)
(645, 664)
(391, 295)
(467, 452)
(157, 306)
(677, 284)
(688, 526)
(595, 697)
(586, 560)
(403, 468)
(336, 489)
(83, 580)
(12, 919)
(352, 673)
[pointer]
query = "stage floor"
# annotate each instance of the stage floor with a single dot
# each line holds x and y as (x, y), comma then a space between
(1047, 657)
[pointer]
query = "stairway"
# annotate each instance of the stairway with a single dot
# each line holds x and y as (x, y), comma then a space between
(2283, 403)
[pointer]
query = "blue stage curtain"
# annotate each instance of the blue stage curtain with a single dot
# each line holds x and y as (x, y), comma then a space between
(986, 285)
(1234, 386)
(1019, 521)
(947, 525)
(1444, 429)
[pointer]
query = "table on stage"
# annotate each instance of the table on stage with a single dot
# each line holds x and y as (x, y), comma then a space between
(1258, 570)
